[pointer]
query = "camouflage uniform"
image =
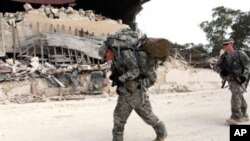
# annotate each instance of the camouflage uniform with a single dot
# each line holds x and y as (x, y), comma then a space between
(125, 69)
(237, 66)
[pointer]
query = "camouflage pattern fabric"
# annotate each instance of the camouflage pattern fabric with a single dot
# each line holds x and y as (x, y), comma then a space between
(125, 45)
(147, 67)
(130, 93)
(126, 66)
(238, 103)
(128, 102)
(237, 64)
(125, 38)
(133, 71)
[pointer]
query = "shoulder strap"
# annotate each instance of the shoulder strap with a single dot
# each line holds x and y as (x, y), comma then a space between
(243, 67)
(135, 50)
(239, 56)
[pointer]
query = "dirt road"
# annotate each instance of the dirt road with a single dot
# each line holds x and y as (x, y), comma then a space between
(197, 116)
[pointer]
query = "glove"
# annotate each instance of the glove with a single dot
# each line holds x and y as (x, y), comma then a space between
(242, 79)
(115, 80)
(113, 77)
(121, 79)
(224, 73)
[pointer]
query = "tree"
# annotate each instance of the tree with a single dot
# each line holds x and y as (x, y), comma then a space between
(177, 46)
(218, 29)
(241, 30)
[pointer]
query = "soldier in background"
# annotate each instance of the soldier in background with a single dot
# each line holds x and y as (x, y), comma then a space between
(233, 67)
(130, 88)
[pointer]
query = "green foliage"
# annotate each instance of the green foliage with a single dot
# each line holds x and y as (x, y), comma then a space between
(218, 29)
(241, 30)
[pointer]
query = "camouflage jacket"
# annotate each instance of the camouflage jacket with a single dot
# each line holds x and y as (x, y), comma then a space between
(236, 64)
(131, 63)
(126, 68)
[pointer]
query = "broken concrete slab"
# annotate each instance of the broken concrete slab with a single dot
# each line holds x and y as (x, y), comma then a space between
(27, 7)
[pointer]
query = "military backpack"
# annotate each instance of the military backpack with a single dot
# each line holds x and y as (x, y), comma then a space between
(147, 50)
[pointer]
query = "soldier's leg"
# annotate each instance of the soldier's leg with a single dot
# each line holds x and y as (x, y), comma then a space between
(121, 114)
(160, 130)
(236, 106)
(244, 109)
(146, 113)
(236, 101)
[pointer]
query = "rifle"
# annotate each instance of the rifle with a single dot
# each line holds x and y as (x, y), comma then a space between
(225, 72)
(223, 83)
(238, 81)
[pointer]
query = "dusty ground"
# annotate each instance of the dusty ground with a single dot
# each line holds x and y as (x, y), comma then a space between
(197, 116)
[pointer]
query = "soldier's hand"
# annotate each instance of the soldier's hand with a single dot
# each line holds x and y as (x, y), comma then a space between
(121, 79)
(242, 79)
(224, 73)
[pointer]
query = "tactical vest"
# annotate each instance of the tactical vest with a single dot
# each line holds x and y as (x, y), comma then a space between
(127, 39)
(235, 67)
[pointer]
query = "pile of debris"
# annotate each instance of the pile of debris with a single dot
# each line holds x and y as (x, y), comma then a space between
(65, 20)
(17, 27)
(52, 54)
(22, 82)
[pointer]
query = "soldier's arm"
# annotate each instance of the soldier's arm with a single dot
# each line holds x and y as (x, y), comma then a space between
(245, 62)
(130, 62)
(150, 80)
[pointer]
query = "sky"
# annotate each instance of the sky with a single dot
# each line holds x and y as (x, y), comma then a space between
(178, 20)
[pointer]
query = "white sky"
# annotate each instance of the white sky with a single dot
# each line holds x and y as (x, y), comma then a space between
(178, 20)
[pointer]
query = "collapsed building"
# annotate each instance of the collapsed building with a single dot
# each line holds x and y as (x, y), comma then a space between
(126, 10)
(51, 52)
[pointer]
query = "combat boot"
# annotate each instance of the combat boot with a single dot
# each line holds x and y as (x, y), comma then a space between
(118, 132)
(245, 117)
(117, 137)
(233, 121)
(160, 131)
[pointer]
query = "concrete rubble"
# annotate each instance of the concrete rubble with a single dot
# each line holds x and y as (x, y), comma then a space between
(23, 82)
(52, 54)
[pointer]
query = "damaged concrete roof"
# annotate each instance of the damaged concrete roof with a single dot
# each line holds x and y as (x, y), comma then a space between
(126, 10)
(88, 45)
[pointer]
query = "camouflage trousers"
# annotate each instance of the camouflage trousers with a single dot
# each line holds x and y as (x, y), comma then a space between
(238, 103)
(128, 102)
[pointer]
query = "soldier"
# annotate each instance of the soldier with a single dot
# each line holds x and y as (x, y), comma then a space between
(131, 90)
(233, 67)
